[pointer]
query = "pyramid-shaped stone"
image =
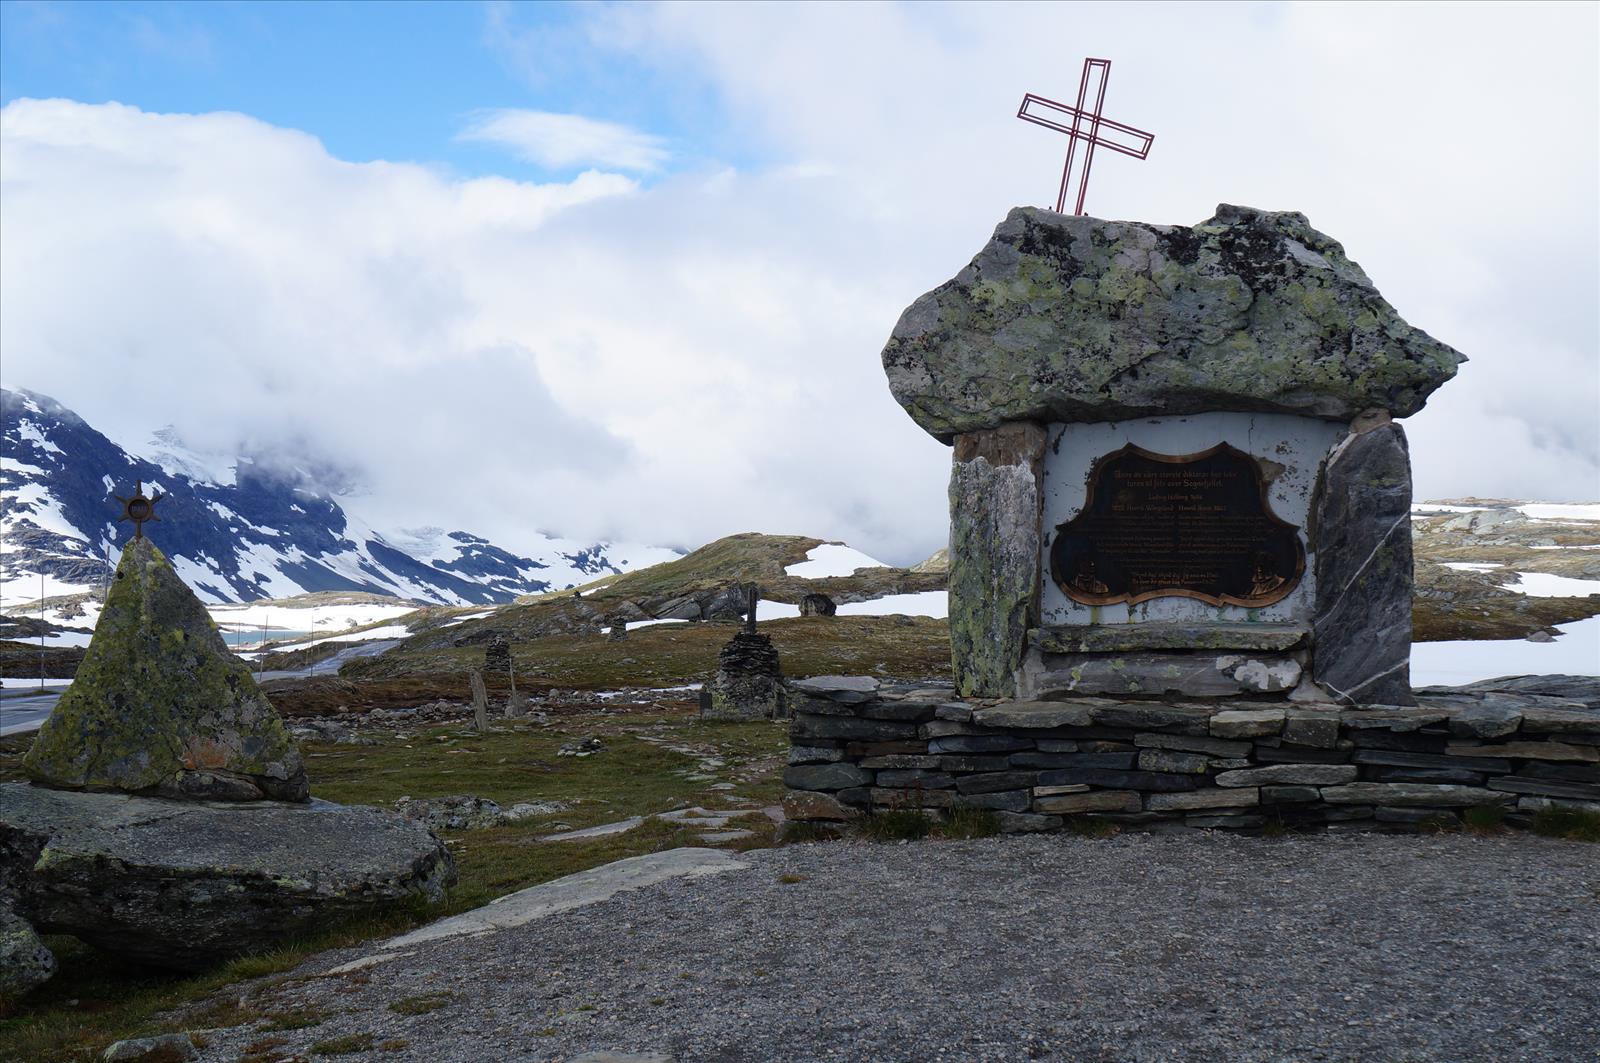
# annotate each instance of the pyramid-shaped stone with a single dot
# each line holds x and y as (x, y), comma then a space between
(160, 706)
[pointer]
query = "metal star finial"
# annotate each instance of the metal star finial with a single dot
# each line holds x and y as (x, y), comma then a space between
(138, 508)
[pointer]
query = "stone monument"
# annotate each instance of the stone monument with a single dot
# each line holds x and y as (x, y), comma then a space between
(749, 681)
(1177, 470)
(161, 706)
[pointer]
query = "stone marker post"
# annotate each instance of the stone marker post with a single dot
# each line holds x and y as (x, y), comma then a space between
(480, 701)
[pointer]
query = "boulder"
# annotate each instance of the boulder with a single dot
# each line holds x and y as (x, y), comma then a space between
(458, 812)
(1074, 319)
(187, 884)
(160, 705)
(815, 604)
(25, 962)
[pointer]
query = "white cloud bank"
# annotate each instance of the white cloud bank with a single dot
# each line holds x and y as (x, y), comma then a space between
(564, 141)
(696, 357)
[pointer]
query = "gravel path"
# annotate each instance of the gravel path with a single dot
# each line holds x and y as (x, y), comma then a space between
(1139, 947)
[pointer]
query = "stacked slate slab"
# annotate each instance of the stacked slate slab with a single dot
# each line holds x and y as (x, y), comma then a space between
(858, 747)
(1069, 338)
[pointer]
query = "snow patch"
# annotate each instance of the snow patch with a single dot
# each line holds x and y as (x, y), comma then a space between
(831, 559)
(923, 603)
(1575, 652)
(1545, 585)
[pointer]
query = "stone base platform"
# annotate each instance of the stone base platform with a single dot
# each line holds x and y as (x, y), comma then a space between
(185, 884)
(1521, 745)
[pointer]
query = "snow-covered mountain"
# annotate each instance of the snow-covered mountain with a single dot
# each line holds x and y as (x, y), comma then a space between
(238, 531)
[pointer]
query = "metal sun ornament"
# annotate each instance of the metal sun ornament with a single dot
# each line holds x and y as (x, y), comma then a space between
(1084, 122)
(138, 508)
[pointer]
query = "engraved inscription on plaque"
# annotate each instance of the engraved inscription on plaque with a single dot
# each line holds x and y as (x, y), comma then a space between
(1195, 526)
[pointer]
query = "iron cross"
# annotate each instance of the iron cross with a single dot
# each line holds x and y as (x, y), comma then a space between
(1084, 122)
(138, 508)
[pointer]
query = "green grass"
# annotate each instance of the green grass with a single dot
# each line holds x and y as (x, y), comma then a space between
(1089, 827)
(896, 824)
(1484, 819)
(969, 823)
(1571, 823)
(348, 1045)
(421, 1004)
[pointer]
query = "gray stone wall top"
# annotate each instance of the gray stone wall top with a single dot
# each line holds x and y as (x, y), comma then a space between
(1074, 319)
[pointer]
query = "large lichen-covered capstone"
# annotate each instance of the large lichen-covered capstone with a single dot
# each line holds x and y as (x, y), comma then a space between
(160, 705)
(1075, 319)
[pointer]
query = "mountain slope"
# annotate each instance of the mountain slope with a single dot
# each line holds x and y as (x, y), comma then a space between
(238, 530)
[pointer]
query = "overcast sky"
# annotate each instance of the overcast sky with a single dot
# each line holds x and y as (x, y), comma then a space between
(625, 271)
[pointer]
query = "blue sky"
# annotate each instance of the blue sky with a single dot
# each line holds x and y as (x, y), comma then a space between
(391, 81)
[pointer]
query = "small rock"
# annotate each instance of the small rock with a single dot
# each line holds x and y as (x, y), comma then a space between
(167, 1048)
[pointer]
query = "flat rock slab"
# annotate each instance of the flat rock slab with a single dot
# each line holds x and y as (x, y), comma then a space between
(186, 884)
(1200, 947)
(573, 891)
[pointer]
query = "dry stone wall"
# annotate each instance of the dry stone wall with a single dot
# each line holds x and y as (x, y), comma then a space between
(859, 748)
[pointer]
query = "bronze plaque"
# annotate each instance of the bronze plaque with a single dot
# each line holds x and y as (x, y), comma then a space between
(1195, 526)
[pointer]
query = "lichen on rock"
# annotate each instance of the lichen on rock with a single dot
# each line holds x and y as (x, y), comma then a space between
(161, 706)
(1069, 319)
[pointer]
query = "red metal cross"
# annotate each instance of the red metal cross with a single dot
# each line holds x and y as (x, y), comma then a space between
(1087, 125)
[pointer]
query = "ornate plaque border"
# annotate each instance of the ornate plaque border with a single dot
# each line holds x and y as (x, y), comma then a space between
(1271, 598)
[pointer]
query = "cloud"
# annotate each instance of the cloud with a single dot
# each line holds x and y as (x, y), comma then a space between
(673, 360)
(565, 141)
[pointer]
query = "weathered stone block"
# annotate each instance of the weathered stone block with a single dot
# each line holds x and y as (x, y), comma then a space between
(1034, 715)
(1182, 802)
(1362, 624)
(850, 689)
(1518, 784)
(915, 777)
(979, 744)
(1317, 729)
(1390, 758)
(901, 760)
(1534, 750)
(824, 776)
(1291, 774)
(1289, 795)
(1179, 719)
(1300, 755)
(1198, 675)
(1054, 791)
(1237, 821)
(1215, 747)
(815, 754)
(1074, 760)
(1121, 780)
(897, 710)
(974, 762)
(1153, 635)
(1410, 795)
(1458, 776)
(1246, 723)
(1001, 801)
(1168, 760)
(1096, 801)
(994, 554)
(993, 782)
(1415, 817)
(892, 798)
(807, 726)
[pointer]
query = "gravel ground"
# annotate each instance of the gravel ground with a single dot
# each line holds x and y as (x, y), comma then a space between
(1201, 946)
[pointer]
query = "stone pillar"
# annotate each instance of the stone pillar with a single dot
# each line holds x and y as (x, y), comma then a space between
(1362, 529)
(994, 554)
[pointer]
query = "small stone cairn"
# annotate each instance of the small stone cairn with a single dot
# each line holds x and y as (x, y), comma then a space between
(749, 681)
(497, 656)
